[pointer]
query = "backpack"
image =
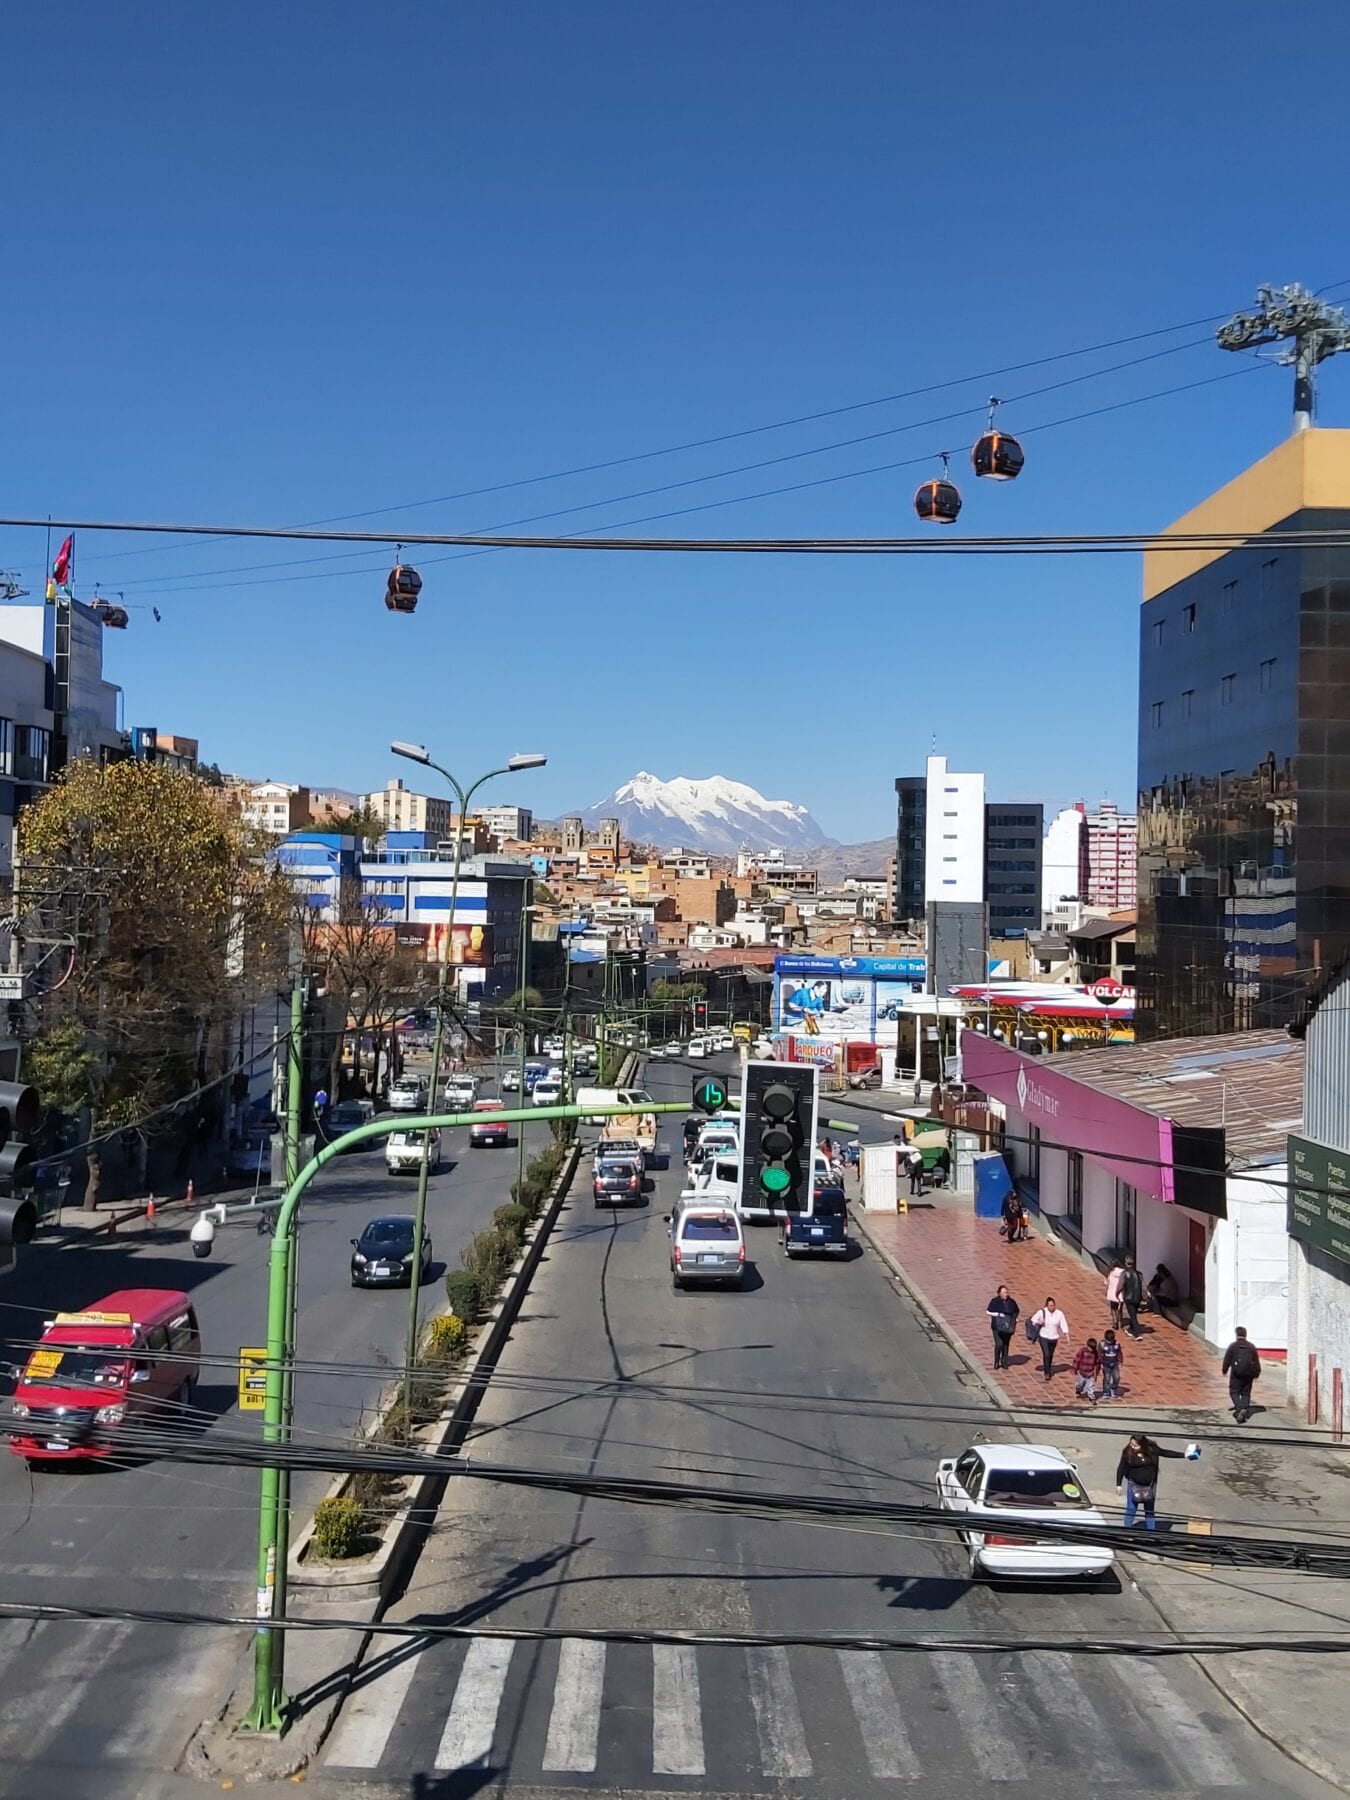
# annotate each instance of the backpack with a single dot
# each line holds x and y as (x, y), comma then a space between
(1246, 1364)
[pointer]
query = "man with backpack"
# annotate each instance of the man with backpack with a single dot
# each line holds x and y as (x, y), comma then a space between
(1242, 1366)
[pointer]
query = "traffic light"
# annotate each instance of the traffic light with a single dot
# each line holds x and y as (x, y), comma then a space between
(700, 1015)
(778, 1125)
(710, 1093)
(19, 1114)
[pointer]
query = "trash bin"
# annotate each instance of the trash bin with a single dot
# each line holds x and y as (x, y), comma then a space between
(992, 1185)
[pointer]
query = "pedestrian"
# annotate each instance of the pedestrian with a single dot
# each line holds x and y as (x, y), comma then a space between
(1137, 1473)
(1012, 1214)
(1162, 1288)
(1131, 1294)
(1112, 1354)
(1052, 1328)
(1242, 1366)
(942, 1167)
(1115, 1277)
(1086, 1363)
(1003, 1311)
(915, 1161)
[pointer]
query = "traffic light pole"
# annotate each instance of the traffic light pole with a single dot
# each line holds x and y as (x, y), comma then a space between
(295, 1081)
(268, 1711)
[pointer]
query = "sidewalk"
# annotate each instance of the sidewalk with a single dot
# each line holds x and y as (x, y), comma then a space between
(1272, 1477)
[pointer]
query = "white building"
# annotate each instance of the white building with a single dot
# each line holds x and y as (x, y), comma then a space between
(1062, 866)
(954, 847)
(399, 809)
(503, 823)
(278, 807)
(1319, 1210)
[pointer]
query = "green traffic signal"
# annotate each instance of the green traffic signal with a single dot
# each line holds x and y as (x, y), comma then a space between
(774, 1179)
(710, 1094)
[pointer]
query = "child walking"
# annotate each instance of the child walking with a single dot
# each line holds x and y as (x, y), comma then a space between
(1111, 1354)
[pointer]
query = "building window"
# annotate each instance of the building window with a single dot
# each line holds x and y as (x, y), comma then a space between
(1229, 595)
(6, 746)
(1268, 575)
(1267, 674)
(1187, 701)
(1158, 633)
(1188, 617)
(1227, 689)
(1127, 1237)
(1155, 713)
(1074, 1186)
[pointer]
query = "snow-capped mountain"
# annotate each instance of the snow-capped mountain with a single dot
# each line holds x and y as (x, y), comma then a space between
(715, 814)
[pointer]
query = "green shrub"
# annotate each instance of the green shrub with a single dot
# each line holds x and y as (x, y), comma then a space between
(488, 1256)
(445, 1339)
(511, 1221)
(527, 1194)
(465, 1295)
(339, 1528)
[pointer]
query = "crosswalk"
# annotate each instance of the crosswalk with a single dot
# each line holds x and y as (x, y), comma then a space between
(635, 1716)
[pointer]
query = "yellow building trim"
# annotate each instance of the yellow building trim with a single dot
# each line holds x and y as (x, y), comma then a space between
(1309, 470)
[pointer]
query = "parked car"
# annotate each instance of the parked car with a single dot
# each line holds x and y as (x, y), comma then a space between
(616, 1181)
(1003, 1490)
(487, 1133)
(408, 1094)
(403, 1152)
(382, 1255)
(250, 1159)
(707, 1245)
(870, 1077)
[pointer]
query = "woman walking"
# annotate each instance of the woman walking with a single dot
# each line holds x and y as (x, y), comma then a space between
(1085, 1366)
(1113, 1285)
(1052, 1328)
(1003, 1311)
(1137, 1473)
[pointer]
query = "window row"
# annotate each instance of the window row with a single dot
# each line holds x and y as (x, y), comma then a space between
(1189, 619)
(1228, 693)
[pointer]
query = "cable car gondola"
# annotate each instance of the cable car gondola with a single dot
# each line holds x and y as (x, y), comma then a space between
(938, 501)
(115, 616)
(405, 584)
(996, 455)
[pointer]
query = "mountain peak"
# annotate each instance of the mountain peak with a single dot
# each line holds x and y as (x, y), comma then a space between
(706, 812)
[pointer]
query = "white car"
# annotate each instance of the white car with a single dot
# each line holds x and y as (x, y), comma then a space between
(1005, 1489)
(403, 1152)
(547, 1092)
(510, 1082)
(408, 1094)
(461, 1092)
(697, 1047)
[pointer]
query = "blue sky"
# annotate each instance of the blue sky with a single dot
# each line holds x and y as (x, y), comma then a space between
(277, 264)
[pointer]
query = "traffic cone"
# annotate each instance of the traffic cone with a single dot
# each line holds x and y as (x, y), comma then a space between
(150, 1210)
(190, 1197)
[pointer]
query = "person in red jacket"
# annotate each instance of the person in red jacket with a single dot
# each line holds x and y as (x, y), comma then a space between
(1086, 1364)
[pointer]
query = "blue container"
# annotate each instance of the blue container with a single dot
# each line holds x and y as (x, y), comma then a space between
(992, 1184)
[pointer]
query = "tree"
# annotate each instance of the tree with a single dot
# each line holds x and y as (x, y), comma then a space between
(175, 918)
(362, 822)
(358, 959)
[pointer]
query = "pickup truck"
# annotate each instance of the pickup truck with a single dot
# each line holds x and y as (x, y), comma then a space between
(641, 1126)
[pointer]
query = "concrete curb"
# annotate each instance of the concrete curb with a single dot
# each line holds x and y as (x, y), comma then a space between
(323, 1664)
(1142, 1579)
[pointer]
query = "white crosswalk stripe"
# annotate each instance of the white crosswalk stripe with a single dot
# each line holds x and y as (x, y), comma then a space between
(1078, 1712)
(574, 1724)
(878, 1712)
(677, 1719)
(466, 1742)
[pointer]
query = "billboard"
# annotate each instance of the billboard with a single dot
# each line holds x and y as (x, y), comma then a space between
(463, 946)
(1319, 1196)
(857, 998)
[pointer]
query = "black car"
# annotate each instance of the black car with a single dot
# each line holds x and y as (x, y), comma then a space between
(617, 1181)
(382, 1255)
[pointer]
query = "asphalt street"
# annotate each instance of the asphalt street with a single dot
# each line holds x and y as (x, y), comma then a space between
(818, 1377)
(95, 1709)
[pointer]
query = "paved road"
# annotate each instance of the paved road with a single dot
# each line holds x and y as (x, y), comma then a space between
(92, 1709)
(612, 1371)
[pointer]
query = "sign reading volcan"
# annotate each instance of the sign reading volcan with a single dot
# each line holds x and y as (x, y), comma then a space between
(1319, 1196)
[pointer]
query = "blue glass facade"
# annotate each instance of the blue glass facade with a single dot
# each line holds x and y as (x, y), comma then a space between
(1244, 786)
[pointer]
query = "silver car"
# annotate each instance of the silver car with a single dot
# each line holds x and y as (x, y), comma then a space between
(707, 1245)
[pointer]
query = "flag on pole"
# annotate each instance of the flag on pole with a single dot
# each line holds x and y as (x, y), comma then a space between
(64, 557)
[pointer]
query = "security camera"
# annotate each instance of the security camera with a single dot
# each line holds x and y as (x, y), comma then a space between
(202, 1235)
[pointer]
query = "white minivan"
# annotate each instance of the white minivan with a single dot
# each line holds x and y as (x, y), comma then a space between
(634, 1099)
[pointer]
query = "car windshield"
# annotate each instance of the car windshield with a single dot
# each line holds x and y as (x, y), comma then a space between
(1034, 1487)
(67, 1366)
(717, 1230)
(407, 1087)
(406, 1140)
(387, 1234)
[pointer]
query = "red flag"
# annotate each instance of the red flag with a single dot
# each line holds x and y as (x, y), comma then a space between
(61, 567)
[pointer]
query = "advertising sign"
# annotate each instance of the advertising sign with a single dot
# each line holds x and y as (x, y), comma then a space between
(469, 946)
(820, 1052)
(253, 1378)
(1319, 1197)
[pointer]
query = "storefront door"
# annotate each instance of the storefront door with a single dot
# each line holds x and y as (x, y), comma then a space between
(1199, 1241)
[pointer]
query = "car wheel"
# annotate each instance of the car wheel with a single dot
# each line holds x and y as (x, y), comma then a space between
(677, 1284)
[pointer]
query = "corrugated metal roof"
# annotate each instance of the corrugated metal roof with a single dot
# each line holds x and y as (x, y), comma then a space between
(1250, 1082)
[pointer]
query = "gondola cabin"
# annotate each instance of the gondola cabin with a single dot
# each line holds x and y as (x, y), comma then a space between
(997, 456)
(938, 502)
(405, 584)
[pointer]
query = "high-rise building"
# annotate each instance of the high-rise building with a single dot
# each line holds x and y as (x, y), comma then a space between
(1109, 853)
(1012, 866)
(401, 810)
(1062, 860)
(1244, 751)
(939, 840)
(508, 823)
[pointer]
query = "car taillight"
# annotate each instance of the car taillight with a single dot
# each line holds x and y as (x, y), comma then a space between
(678, 1254)
(632, 1181)
(999, 1537)
(740, 1254)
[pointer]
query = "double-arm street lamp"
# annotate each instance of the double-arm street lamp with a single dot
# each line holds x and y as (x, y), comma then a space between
(418, 754)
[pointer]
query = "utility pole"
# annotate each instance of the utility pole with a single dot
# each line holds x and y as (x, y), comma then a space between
(1316, 330)
(295, 1077)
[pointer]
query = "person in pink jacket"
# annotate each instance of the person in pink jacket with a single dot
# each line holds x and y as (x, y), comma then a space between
(1113, 1299)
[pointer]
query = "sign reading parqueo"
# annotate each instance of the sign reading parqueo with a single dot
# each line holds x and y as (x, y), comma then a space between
(1319, 1196)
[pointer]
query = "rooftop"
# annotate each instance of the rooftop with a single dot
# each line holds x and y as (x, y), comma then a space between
(1250, 1082)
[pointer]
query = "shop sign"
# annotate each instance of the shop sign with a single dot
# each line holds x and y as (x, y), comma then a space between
(1319, 1196)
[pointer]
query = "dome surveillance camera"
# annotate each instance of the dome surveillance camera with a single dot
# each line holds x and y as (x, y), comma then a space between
(202, 1235)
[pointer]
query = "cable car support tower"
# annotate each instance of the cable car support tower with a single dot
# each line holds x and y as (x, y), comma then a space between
(1317, 330)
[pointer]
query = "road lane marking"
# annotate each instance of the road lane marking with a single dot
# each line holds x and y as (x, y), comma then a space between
(1055, 1687)
(1181, 1731)
(782, 1740)
(991, 1745)
(677, 1721)
(889, 1753)
(370, 1712)
(574, 1724)
(466, 1742)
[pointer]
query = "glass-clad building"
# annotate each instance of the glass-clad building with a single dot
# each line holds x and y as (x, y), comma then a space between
(1244, 752)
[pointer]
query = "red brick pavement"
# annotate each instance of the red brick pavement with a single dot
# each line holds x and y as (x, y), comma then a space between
(956, 1262)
